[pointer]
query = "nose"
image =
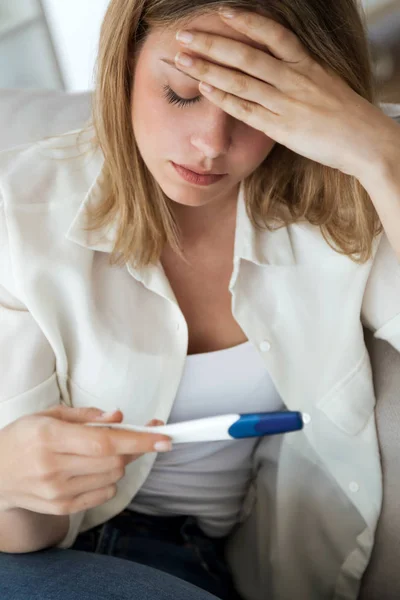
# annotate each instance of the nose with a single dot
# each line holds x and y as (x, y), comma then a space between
(213, 134)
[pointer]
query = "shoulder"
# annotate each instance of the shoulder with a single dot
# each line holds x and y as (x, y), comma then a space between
(49, 171)
(311, 246)
(385, 263)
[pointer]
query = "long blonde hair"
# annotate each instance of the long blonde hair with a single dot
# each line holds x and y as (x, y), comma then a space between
(285, 188)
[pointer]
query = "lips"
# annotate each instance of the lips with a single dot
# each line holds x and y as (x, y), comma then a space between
(199, 171)
(196, 178)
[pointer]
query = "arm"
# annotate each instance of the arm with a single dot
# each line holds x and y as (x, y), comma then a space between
(382, 181)
(380, 310)
(25, 531)
(27, 385)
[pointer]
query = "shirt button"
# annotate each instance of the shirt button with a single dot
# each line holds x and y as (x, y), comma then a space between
(354, 487)
(306, 418)
(265, 346)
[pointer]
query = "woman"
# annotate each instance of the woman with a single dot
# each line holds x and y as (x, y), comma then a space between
(201, 252)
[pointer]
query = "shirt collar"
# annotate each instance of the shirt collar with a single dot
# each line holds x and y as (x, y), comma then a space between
(259, 247)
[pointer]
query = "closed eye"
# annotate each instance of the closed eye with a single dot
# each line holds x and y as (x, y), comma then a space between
(173, 98)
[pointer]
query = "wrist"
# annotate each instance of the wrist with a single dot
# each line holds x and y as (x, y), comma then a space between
(384, 165)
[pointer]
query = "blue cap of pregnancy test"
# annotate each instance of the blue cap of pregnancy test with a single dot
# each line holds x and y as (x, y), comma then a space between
(272, 423)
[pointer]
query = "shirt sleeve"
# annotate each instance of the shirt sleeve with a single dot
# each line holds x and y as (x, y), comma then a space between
(380, 310)
(28, 382)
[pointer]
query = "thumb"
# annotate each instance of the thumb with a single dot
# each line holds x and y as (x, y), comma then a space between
(82, 414)
(155, 423)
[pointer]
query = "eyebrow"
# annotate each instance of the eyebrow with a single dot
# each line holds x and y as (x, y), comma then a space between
(172, 64)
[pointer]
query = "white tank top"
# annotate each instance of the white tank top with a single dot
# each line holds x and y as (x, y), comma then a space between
(209, 479)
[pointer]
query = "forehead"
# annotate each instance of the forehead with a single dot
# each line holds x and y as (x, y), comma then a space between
(163, 38)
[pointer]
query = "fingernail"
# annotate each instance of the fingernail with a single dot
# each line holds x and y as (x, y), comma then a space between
(184, 36)
(228, 13)
(163, 446)
(206, 87)
(184, 59)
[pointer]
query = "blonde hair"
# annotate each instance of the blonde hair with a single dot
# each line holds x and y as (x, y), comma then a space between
(285, 188)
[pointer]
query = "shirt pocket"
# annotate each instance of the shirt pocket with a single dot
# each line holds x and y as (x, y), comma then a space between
(134, 413)
(82, 398)
(350, 404)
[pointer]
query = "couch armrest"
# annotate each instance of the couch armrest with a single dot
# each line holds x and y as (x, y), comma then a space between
(30, 115)
(382, 577)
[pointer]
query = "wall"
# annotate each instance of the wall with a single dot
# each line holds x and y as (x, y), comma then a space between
(75, 28)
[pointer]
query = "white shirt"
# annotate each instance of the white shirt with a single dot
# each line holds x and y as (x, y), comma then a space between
(74, 329)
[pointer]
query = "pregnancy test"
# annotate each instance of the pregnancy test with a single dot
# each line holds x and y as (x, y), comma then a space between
(223, 427)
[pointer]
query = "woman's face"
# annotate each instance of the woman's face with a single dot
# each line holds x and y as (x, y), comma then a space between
(198, 134)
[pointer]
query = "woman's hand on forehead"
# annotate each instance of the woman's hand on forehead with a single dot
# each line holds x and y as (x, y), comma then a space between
(273, 84)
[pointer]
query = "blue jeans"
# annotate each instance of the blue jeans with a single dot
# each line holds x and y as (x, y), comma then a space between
(130, 557)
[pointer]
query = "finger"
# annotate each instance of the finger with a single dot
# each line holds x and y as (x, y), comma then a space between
(128, 458)
(283, 43)
(71, 438)
(81, 414)
(238, 84)
(239, 55)
(250, 113)
(82, 484)
(72, 465)
(155, 423)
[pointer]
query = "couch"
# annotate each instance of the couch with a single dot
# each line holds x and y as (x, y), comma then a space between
(27, 116)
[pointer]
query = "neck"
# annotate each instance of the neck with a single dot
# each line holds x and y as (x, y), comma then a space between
(205, 223)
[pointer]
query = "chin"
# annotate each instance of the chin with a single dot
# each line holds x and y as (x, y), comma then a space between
(185, 194)
(186, 199)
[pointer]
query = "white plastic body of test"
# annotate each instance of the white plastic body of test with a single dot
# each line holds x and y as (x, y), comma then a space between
(209, 429)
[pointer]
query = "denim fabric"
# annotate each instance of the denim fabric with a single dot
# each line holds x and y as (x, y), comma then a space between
(175, 545)
(57, 574)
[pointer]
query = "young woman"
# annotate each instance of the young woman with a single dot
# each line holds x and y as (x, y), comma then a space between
(196, 251)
